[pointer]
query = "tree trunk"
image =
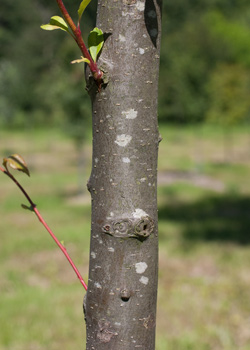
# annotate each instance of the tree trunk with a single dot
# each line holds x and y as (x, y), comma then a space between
(120, 306)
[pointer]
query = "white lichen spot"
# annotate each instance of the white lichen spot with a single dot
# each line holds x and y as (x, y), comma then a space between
(117, 324)
(108, 116)
(130, 114)
(124, 14)
(122, 38)
(152, 14)
(123, 140)
(143, 179)
(154, 32)
(139, 213)
(140, 267)
(97, 285)
(96, 160)
(93, 255)
(111, 215)
(141, 50)
(126, 160)
(111, 249)
(144, 280)
(140, 5)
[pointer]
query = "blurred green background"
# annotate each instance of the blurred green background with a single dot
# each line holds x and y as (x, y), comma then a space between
(204, 171)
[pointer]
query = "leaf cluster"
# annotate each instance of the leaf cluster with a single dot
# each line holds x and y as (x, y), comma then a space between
(16, 162)
(95, 38)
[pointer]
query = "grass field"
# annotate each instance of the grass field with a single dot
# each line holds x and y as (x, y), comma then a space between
(204, 233)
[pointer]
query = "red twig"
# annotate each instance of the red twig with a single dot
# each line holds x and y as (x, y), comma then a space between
(60, 245)
(97, 73)
(34, 208)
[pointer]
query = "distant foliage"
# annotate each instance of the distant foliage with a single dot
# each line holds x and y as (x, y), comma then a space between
(205, 46)
(228, 89)
(205, 64)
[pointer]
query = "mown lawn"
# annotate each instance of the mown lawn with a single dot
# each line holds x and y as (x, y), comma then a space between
(204, 233)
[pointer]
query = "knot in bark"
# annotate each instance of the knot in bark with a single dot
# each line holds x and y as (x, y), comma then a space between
(129, 227)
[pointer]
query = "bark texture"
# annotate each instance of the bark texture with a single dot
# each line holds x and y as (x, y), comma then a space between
(120, 306)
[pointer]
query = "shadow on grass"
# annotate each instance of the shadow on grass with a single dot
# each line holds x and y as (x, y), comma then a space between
(214, 217)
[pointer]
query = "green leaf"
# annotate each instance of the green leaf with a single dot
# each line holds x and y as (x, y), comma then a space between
(95, 42)
(82, 59)
(15, 161)
(56, 22)
(60, 22)
(49, 27)
(82, 7)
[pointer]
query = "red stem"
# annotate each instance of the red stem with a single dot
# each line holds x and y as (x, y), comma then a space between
(34, 208)
(97, 73)
(63, 249)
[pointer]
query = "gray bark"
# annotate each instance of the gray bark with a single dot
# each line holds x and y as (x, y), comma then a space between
(120, 308)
